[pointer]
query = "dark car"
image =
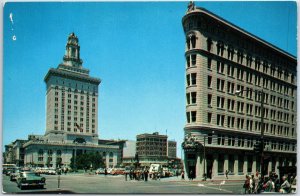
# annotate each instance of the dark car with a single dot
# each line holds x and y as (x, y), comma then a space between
(13, 175)
(30, 179)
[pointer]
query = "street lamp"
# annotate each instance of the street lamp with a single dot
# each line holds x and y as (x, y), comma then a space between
(75, 155)
(262, 100)
(204, 159)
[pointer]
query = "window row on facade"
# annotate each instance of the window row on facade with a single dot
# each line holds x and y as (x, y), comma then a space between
(252, 79)
(256, 63)
(75, 114)
(240, 123)
(247, 142)
(251, 94)
(76, 90)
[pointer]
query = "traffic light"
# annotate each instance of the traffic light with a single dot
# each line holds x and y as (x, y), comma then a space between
(258, 146)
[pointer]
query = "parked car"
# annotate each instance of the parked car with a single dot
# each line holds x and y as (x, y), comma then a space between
(51, 172)
(118, 171)
(27, 179)
(109, 170)
(100, 171)
(13, 175)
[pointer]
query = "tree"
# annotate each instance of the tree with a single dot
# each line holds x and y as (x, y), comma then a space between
(86, 160)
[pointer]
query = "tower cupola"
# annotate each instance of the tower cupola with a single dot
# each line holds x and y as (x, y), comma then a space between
(72, 54)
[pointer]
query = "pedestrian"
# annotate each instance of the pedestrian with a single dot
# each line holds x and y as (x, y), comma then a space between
(226, 174)
(105, 171)
(146, 175)
(130, 174)
(270, 186)
(246, 185)
(191, 175)
(250, 184)
(285, 186)
(126, 176)
(182, 175)
(277, 183)
(253, 184)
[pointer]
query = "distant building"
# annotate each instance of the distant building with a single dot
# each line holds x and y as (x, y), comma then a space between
(14, 153)
(172, 149)
(152, 148)
(71, 117)
(129, 151)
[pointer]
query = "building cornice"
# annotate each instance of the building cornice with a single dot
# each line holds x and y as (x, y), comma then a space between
(65, 144)
(202, 11)
(223, 130)
(67, 74)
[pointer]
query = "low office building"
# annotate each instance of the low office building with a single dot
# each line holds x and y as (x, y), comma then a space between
(152, 148)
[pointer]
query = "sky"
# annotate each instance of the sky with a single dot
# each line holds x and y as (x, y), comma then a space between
(136, 48)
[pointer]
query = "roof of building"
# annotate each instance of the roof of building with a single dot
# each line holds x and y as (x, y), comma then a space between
(198, 10)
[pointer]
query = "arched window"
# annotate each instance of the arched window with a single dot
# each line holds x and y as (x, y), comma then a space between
(111, 154)
(56, 87)
(69, 90)
(58, 152)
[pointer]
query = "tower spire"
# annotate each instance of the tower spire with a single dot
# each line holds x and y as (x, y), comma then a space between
(72, 54)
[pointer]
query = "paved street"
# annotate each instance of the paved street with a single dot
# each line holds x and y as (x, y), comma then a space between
(96, 184)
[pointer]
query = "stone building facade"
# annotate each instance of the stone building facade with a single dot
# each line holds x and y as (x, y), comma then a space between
(223, 126)
(71, 116)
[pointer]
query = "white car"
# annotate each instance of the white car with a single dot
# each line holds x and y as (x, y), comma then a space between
(51, 172)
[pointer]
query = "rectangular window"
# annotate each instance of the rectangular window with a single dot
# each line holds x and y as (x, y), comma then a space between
(230, 122)
(230, 70)
(193, 116)
(188, 83)
(209, 63)
(220, 102)
(249, 93)
(240, 74)
(230, 105)
(220, 67)
(209, 98)
(209, 81)
(220, 120)
(220, 84)
(193, 60)
(194, 96)
(193, 78)
(257, 80)
(188, 98)
(188, 117)
(249, 77)
(209, 117)
(188, 63)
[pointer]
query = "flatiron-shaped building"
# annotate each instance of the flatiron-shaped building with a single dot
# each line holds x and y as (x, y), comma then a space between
(229, 73)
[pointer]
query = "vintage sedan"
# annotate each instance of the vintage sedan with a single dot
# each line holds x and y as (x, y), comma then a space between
(30, 179)
(13, 175)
